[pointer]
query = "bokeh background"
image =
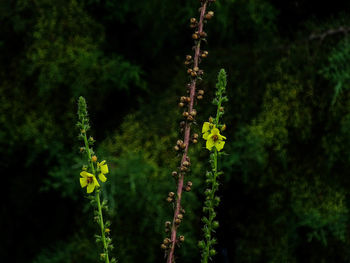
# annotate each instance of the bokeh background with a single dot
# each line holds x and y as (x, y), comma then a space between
(285, 192)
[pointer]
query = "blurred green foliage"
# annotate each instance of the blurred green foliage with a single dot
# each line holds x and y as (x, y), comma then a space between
(285, 190)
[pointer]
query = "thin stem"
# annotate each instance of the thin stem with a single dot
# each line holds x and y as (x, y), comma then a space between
(98, 201)
(186, 139)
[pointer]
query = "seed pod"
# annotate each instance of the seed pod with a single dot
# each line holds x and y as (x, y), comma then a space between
(174, 173)
(188, 99)
(181, 238)
(169, 199)
(189, 71)
(187, 188)
(183, 168)
(189, 183)
(162, 246)
(179, 142)
(180, 216)
(181, 104)
(193, 113)
(203, 34)
(195, 36)
(194, 141)
(186, 163)
(193, 20)
(176, 148)
(193, 73)
(183, 146)
(166, 241)
(200, 92)
(167, 223)
(195, 135)
(199, 97)
(188, 57)
(177, 221)
(185, 114)
(196, 69)
(171, 194)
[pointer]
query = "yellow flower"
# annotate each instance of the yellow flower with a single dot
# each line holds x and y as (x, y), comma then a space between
(215, 139)
(88, 180)
(207, 126)
(104, 170)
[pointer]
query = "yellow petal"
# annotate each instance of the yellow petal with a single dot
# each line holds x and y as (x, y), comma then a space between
(219, 145)
(101, 163)
(85, 174)
(215, 131)
(102, 177)
(221, 137)
(206, 127)
(205, 135)
(96, 182)
(104, 169)
(210, 143)
(90, 188)
(83, 182)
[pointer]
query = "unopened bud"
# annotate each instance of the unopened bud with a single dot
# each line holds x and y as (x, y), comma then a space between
(183, 168)
(181, 104)
(180, 216)
(209, 15)
(181, 238)
(94, 158)
(211, 119)
(221, 109)
(223, 127)
(183, 146)
(195, 135)
(166, 241)
(193, 113)
(162, 246)
(190, 118)
(167, 223)
(193, 73)
(171, 194)
(195, 68)
(189, 71)
(188, 57)
(182, 124)
(200, 92)
(193, 20)
(177, 221)
(199, 97)
(176, 148)
(169, 199)
(202, 34)
(195, 36)
(185, 114)
(174, 173)
(188, 99)
(194, 141)
(189, 183)
(186, 163)
(188, 188)
(182, 98)
(179, 142)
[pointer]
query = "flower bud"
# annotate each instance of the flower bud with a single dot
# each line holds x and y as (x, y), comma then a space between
(180, 216)
(195, 135)
(179, 142)
(193, 73)
(177, 221)
(195, 68)
(167, 223)
(188, 188)
(188, 99)
(190, 118)
(193, 20)
(181, 104)
(174, 173)
(183, 146)
(189, 183)
(169, 199)
(188, 57)
(209, 15)
(193, 113)
(176, 148)
(223, 127)
(195, 36)
(211, 119)
(186, 163)
(171, 194)
(94, 158)
(182, 124)
(212, 252)
(199, 97)
(166, 241)
(187, 63)
(200, 92)
(203, 34)
(183, 168)
(194, 141)
(162, 246)
(181, 238)
(82, 149)
(185, 114)
(182, 99)
(221, 109)
(189, 71)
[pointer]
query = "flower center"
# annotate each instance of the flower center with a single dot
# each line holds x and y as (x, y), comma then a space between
(89, 180)
(215, 138)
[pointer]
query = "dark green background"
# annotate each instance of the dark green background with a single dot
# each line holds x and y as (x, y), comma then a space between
(285, 192)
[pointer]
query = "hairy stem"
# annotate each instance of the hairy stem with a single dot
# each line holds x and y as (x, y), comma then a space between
(186, 138)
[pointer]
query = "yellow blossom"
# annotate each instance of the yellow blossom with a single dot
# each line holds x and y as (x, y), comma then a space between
(207, 126)
(88, 180)
(215, 139)
(104, 170)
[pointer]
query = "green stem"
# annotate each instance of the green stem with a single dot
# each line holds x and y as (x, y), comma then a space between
(98, 201)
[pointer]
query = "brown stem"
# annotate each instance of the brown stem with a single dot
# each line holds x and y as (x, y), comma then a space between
(186, 138)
